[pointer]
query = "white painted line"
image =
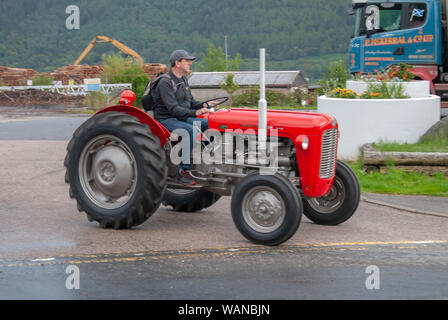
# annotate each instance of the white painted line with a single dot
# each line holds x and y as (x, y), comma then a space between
(43, 259)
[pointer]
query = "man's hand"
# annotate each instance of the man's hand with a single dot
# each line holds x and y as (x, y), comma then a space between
(210, 103)
(202, 111)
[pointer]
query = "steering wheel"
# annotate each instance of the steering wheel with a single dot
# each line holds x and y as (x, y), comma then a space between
(219, 101)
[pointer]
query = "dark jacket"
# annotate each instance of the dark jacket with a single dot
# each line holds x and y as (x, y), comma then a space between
(170, 104)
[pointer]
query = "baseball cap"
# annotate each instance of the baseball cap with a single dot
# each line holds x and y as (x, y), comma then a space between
(179, 55)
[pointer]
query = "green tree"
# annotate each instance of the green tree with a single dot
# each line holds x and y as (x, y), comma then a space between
(336, 76)
(215, 60)
(230, 87)
(117, 69)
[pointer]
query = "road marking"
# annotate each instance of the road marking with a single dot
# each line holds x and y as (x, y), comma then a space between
(43, 259)
(217, 252)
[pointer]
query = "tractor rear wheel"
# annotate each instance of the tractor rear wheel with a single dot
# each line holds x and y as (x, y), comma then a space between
(116, 170)
(189, 200)
(266, 209)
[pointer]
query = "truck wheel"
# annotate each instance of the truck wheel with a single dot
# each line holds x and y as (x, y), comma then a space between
(189, 200)
(116, 170)
(340, 203)
(266, 209)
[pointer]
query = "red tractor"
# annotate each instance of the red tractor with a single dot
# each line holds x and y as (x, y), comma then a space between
(119, 171)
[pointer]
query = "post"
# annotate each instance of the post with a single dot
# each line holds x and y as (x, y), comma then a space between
(225, 49)
(262, 105)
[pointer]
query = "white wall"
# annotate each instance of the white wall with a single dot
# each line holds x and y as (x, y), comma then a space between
(371, 120)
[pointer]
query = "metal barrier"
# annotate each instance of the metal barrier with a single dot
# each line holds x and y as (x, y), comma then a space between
(74, 90)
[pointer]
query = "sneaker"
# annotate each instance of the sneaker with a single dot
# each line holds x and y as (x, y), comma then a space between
(184, 177)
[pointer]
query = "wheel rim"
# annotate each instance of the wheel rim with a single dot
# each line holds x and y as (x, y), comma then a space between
(108, 172)
(332, 201)
(263, 209)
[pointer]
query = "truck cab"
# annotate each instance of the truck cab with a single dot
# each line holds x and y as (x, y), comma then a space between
(400, 31)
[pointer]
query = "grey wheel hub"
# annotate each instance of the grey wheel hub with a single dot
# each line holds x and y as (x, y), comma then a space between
(332, 201)
(263, 209)
(108, 172)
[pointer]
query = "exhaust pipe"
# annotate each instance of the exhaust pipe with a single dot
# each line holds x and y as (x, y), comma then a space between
(262, 106)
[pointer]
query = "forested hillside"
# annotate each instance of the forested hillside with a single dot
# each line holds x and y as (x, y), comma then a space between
(33, 33)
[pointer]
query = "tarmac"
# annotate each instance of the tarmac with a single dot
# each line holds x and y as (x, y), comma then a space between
(426, 205)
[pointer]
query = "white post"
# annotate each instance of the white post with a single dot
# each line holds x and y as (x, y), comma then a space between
(262, 105)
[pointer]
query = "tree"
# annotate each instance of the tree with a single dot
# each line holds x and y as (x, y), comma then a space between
(230, 86)
(215, 60)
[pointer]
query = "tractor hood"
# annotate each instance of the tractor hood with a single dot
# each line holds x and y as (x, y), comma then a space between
(288, 123)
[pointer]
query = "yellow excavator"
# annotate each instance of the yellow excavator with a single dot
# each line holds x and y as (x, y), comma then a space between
(116, 43)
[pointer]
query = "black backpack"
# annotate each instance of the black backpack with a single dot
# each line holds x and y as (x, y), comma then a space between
(148, 99)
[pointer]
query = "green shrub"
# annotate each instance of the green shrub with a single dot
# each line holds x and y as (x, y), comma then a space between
(384, 90)
(336, 76)
(251, 95)
(117, 69)
(42, 80)
(95, 100)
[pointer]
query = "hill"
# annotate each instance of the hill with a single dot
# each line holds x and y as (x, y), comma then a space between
(33, 34)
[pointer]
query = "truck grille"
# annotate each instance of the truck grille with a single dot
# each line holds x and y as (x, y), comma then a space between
(328, 153)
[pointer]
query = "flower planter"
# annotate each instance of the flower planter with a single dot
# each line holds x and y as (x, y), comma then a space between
(413, 89)
(370, 120)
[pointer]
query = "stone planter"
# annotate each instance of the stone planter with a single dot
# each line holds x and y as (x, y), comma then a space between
(371, 120)
(413, 89)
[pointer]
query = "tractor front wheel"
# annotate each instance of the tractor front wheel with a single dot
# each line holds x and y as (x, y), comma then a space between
(266, 209)
(340, 203)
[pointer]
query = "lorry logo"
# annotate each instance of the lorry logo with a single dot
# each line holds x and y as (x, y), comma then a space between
(399, 40)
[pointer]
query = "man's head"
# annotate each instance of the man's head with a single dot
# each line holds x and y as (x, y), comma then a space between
(181, 61)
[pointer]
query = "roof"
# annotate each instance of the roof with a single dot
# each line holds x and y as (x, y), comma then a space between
(283, 79)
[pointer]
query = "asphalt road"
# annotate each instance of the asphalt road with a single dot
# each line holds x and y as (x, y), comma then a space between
(194, 255)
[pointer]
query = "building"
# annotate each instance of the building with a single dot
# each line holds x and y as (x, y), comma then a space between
(206, 85)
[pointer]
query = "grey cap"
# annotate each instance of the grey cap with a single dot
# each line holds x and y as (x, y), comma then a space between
(179, 55)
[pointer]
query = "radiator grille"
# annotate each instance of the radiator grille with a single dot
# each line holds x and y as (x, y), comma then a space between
(328, 153)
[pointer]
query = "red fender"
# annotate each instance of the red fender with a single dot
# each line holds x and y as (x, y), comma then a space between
(156, 128)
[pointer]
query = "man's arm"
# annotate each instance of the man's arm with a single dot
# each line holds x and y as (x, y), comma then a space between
(169, 99)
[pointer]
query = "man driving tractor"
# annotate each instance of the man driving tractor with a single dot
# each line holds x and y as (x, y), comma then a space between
(175, 107)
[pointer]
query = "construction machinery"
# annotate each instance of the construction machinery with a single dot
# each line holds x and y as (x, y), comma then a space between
(116, 43)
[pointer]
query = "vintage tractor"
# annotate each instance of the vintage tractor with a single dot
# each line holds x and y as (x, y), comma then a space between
(120, 171)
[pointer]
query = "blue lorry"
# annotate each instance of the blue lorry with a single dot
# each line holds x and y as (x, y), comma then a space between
(389, 32)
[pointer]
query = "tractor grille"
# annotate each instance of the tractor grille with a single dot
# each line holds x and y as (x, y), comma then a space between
(328, 153)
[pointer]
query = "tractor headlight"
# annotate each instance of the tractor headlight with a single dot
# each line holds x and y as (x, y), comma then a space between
(303, 142)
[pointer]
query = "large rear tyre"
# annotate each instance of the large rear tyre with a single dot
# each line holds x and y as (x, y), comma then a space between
(266, 209)
(116, 170)
(340, 203)
(189, 200)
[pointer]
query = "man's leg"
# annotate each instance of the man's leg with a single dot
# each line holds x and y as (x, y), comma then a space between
(183, 176)
(204, 123)
(172, 124)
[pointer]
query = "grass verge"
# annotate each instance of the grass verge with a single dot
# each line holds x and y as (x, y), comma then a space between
(436, 145)
(397, 181)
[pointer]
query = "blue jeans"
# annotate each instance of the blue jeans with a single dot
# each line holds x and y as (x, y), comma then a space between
(173, 123)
